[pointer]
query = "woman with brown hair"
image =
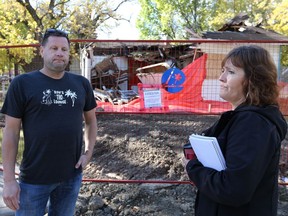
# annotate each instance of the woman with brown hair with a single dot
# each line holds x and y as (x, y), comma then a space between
(249, 136)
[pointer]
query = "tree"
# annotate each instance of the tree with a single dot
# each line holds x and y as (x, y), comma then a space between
(279, 23)
(90, 16)
(170, 18)
(16, 28)
(258, 11)
(22, 22)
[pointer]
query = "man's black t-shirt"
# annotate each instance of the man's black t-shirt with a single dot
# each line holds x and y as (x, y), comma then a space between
(52, 119)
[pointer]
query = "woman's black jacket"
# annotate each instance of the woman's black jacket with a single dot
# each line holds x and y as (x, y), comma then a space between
(250, 139)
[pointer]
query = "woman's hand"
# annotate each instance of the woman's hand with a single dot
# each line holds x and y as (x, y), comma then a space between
(184, 162)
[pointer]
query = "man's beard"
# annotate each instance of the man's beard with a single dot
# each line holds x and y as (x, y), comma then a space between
(58, 68)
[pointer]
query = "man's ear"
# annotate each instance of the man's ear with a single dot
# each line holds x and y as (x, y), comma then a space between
(41, 51)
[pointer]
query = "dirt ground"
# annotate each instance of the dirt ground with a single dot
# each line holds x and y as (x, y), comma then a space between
(143, 147)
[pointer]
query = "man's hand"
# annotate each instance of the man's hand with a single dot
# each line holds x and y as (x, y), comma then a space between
(84, 160)
(11, 194)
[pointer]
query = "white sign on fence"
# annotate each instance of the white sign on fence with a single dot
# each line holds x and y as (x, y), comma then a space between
(152, 98)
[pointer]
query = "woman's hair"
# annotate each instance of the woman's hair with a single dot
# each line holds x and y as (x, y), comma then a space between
(260, 71)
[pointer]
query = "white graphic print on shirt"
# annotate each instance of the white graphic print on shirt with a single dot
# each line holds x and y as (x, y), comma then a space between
(58, 97)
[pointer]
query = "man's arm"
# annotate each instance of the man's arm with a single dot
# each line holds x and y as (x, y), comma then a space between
(90, 135)
(10, 142)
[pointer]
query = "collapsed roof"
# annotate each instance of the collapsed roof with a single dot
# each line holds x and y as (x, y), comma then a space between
(237, 29)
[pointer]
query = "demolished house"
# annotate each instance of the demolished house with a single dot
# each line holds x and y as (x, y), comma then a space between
(115, 69)
(121, 72)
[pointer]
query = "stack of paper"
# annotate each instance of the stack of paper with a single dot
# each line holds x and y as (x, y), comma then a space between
(208, 151)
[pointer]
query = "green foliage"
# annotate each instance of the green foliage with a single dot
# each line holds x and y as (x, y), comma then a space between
(170, 18)
(149, 12)
(22, 22)
(88, 17)
(278, 21)
(284, 56)
(257, 10)
(17, 27)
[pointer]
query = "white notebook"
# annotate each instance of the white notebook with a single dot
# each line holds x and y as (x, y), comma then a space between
(208, 151)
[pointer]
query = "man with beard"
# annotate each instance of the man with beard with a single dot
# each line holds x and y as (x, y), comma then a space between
(50, 106)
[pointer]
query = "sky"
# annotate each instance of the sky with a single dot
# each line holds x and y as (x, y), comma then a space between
(126, 30)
